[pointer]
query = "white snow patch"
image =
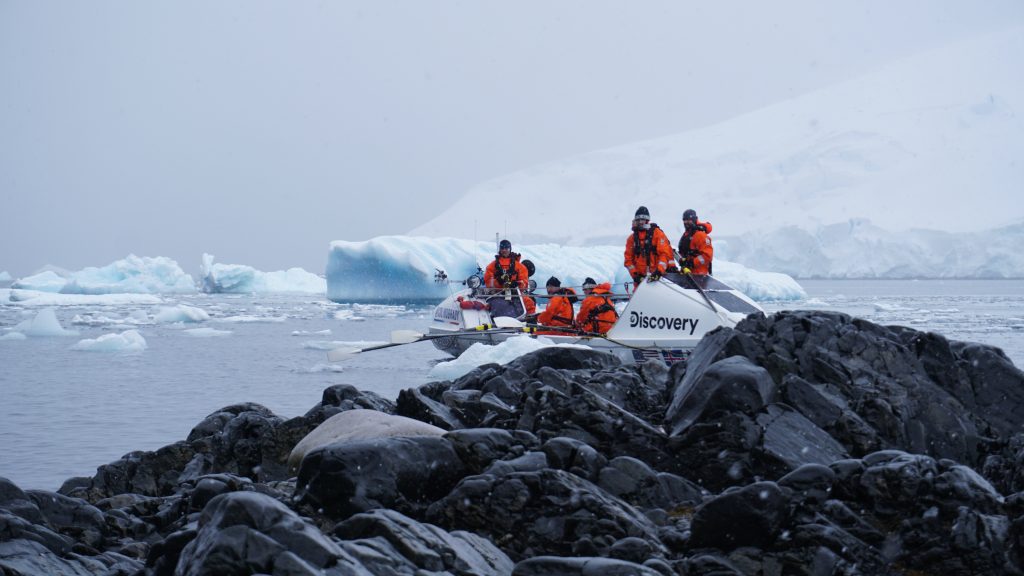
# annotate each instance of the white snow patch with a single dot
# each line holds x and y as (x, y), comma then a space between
(503, 353)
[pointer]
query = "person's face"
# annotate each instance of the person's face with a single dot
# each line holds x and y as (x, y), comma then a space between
(504, 252)
(638, 223)
(552, 290)
(689, 223)
(587, 291)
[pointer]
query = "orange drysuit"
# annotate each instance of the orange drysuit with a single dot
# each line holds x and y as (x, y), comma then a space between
(559, 312)
(597, 313)
(511, 267)
(696, 250)
(648, 251)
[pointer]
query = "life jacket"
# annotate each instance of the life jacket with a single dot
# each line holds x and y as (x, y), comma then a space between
(648, 254)
(516, 271)
(645, 248)
(597, 314)
(690, 255)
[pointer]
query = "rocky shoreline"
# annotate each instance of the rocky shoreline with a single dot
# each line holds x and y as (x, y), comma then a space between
(799, 443)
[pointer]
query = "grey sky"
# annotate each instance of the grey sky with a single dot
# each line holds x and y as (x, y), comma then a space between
(260, 131)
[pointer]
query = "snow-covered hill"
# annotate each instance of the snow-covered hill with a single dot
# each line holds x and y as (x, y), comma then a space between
(934, 142)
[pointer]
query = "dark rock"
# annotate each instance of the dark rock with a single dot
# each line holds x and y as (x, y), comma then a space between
(564, 359)
(750, 516)
(558, 566)
(414, 403)
(248, 532)
(529, 462)
(73, 517)
(574, 456)
(811, 482)
(479, 447)
(402, 473)
(424, 546)
(537, 513)
(734, 384)
(635, 482)
(791, 440)
(29, 558)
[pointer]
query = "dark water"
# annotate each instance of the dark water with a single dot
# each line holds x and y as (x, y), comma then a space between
(64, 412)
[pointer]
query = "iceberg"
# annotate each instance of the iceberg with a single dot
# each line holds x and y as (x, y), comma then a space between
(5, 276)
(127, 341)
(44, 323)
(405, 269)
(240, 279)
(131, 275)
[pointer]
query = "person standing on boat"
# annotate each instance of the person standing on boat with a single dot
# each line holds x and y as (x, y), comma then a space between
(695, 249)
(506, 271)
(559, 310)
(648, 249)
(597, 313)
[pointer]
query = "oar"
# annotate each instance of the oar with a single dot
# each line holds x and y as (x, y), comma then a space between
(403, 337)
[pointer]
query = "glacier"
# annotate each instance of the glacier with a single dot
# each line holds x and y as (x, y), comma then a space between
(403, 269)
(241, 279)
(926, 148)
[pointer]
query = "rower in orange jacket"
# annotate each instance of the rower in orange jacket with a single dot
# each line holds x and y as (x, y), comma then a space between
(648, 249)
(597, 313)
(559, 310)
(506, 271)
(695, 249)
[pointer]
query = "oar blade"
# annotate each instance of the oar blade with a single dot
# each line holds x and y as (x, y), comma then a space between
(405, 336)
(343, 353)
(507, 322)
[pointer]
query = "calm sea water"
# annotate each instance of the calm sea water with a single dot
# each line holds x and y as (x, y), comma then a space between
(64, 412)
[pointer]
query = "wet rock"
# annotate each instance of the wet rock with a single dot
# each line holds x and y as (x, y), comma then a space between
(564, 359)
(558, 566)
(575, 456)
(635, 482)
(73, 517)
(538, 513)
(479, 447)
(749, 516)
(402, 473)
(792, 440)
(734, 384)
(415, 404)
(29, 558)
(422, 546)
(249, 532)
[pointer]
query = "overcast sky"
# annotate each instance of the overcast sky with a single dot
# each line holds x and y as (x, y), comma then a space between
(261, 131)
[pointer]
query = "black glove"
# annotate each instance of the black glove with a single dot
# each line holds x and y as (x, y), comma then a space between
(530, 318)
(637, 278)
(654, 277)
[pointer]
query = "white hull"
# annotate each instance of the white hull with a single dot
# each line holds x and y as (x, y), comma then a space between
(664, 320)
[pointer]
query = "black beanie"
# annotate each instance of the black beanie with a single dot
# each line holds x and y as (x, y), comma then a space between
(554, 282)
(642, 214)
(589, 282)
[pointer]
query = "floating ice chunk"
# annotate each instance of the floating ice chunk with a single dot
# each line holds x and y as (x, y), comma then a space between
(13, 336)
(35, 298)
(44, 323)
(324, 367)
(248, 319)
(206, 332)
(5, 276)
(480, 354)
(127, 341)
(326, 332)
(241, 279)
(181, 313)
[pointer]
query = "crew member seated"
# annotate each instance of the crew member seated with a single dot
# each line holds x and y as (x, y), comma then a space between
(507, 276)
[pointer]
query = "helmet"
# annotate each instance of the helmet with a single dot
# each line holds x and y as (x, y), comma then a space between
(504, 244)
(690, 214)
(530, 268)
(554, 282)
(642, 214)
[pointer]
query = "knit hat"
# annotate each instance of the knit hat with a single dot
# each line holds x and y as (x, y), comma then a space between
(554, 282)
(690, 214)
(589, 283)
(504, 244)
(642, 214)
